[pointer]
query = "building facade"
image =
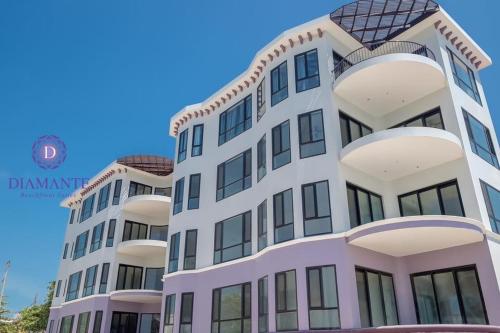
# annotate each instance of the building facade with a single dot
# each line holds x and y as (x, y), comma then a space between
(347, 179)
(112, 260)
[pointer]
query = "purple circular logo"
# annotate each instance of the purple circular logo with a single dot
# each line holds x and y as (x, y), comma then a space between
(48, 152)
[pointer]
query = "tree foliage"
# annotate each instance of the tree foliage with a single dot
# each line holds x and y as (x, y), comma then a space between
(34, 318)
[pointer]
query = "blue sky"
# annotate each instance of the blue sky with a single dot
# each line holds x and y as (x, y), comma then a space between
(105, 76)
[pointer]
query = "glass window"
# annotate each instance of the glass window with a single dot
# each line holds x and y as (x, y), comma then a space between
(186, 321)
(103, 284)
(233, 238)
(281, 145)
(89, 283)
(134, 230)
(235, 120)
(464, 77)
(283, 216)
(164, 191)
(159, 232)
(234, 175)
(169, 314)
(306, 70)
(58, 288)
(231, 309)
(261, 99)
(262, 225)
(322, 298)
(440, 199)
(431, 118)
(480, 139)
(178, 196)
(129, 277)
(197, 144)
(364, 206)
(261, 158)
(117, 192)
(182, 148)
(351, 129)
(97, 322)
(316, 208)
(194, 191)
(450, 296)
(81, 245)
(173, 257)
(51, 326)
(139, 189)
(150, 323)
(65, 252)
(190, 249)
(72, 216)
(87, 208)
(103, 200)
(83, 322)
(153, 278)
(279, 83)
(492, 200)
(73, 286)
(263, 307)
(376, 298)
(311, 134)
(67, 324)
(97, 234)
(286, 301)
(122, 322)
(111, 233)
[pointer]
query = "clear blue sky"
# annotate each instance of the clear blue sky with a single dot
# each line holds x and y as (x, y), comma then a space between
(105, 76)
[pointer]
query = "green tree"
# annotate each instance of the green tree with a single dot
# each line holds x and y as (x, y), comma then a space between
(6, 324)
(34, 318)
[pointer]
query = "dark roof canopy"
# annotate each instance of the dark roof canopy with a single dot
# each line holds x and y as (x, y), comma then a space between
(376, 21)
(156, 165)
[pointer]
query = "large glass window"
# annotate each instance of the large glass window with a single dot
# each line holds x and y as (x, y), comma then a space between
(186, 322)
(178, 196)
(440, 199)
(233, 238)
(153, 278)
(129, 277)
(431, 118)
(134, 230)
(173, 256)
(316, 208)
(97, 234)
(190, 249)
(364, 206)
(376, 298)
(286, 301)
(235, 120)
(194, 191)
(351, 129)
(279, 83)
(97, 322)
(169, 314)
(83, 322)
(89, 283)
(123, 322)
(480, 139)
(67, 324)
(449, 296)
(311, 134)
(150, 323)
(263, 306)
(103, 200)
(182, 148)
(306, 70)
(283, 216)
(73, 286)
(111, 233)
(117, 192)
(231, 309)
(81, 245)
(58, 288)
(158, 232)
(464, 77)
(197, 144)
(139, 189)
(281, 145)
(87, 208)
(492, 200)
(72, 216)
(261, 99)
(234, 175)
(262, 225)
(103, 284)
(261, 158)
(323, 298)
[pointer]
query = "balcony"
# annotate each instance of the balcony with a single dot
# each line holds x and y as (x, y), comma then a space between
(143, 248)
(388, 76)
(394, 153)
(136, 296)
(151, 205)
(403, 236)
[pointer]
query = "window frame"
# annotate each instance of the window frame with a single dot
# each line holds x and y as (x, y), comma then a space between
(246, 218)
(96, 327)
(423, 116)
(308, 115)
(197, 148)
(193, 199)
(86, 213)
(263, 311)
(117, 190)
(74, 294)
(169, 313)
(110, 237)
(349, 119)
(286, 310)
(89, 286)
(316, 217)
(186, 245)
(123, 285)
(173, 254)
(133, 189)
(142, 228)
(246, 103)
(178, 196)
(261, 158)
(322, 307)
(103, 281)
(182, 145)
(246, 179)
(274, 150)
(119, 314)
(96, 244)
(459, 82)
(262, 226)
(281, 88)
(261, 99)
(292, 223)
(475, 146)
(181, 319)
(495, 224)
(81, 252)
(358, 211)
(244, 306)
(306, 70)
(103, 199)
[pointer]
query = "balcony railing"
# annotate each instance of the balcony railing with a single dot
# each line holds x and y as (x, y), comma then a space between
(380, 49)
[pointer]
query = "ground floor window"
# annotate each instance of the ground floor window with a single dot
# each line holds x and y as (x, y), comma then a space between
(83, 322)
(450, 296)
(376, 298)
(286, 301)
(150, 323)
(67, 324)
(168, 315)
(186, 322)
(263, 306)
(124, 322)
(322, 298)
(97, 322)
(231, 309)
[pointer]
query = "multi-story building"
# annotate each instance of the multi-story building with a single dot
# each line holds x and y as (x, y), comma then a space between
(112, 260)
(347, 179)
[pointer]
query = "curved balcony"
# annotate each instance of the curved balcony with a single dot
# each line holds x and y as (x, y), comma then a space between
(136, 296)
(143, 248)
(151, 205)
(388, 76)
(403, 236)
(398, 152)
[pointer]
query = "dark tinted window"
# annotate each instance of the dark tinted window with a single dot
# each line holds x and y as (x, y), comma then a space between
(306, 70)
(234, 175)
(235, 120)
(233, 238)
(281, 145)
